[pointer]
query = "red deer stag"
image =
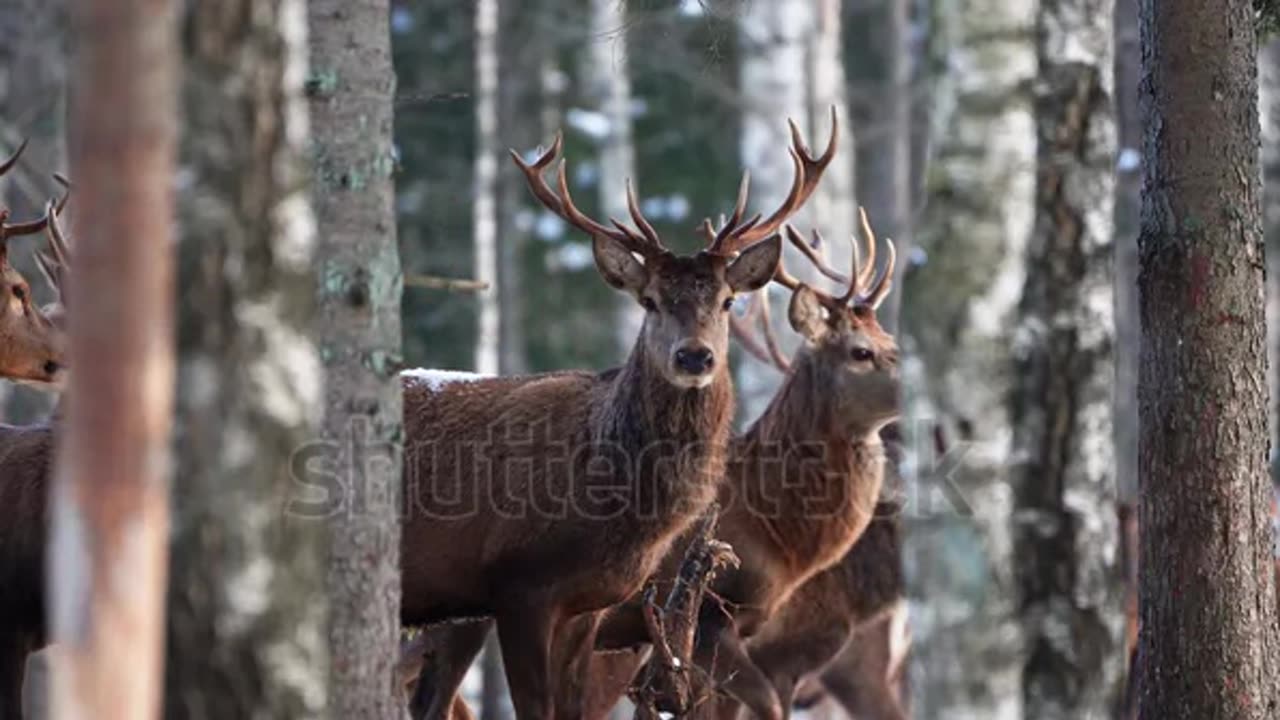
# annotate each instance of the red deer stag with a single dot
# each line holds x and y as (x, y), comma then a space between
(803, 481)
(536, 499)
(26, 464)
(31, 348)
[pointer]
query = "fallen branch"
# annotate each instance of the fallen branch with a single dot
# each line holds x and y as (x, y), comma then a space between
(435, 282)
(671, 680)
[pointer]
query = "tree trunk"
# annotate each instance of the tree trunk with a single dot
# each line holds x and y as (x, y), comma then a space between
(484, 211)
(1128, 201)
(1065, 530)
(359, 315)
(111, 503)
(958, 307)
(1208, 645)
(248, 603)
(34, 109)
(791, 69)
(1269, 109)
(607, 88)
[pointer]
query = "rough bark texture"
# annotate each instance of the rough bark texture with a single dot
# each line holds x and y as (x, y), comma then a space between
(958, 308)
(1065, 525)
(351, 94)
(1208, 646)
(791, 68)
(111, 516)
(607, 87)
(33, 106)
(247, 593)
(484, 192)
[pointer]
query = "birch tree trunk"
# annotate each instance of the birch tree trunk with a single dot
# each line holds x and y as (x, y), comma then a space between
(359, 314)
(1208, 645)
(248, 603)
(958, 308)
(111, 502)
(791, 68)
(607, 88)
(1065, 529)
(484, 212)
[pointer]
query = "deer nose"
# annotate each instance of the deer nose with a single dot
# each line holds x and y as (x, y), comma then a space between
(695, 361)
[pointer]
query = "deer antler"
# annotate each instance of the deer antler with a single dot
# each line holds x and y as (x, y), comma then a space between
(737, 233)
(644, 241)
(11, 230)
(771, 351)
(56, 260)
(861, 289)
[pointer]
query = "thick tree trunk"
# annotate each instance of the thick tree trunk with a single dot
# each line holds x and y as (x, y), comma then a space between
(1065, 531)
(484, 211)
(607, 87)
(111, 503)
(958, 309)
(248, 603)
(359, 316)
(1208, 645)
(791, 69)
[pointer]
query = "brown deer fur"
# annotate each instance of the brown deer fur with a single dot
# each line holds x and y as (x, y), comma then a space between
(573, 485)
(577, 481)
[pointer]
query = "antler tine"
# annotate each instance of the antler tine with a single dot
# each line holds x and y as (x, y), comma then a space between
(770, 336)
(808, 171)
(740, 326)
(34, 226)
(57, 240)
(7, 165)
(633, 207)
(794, 237)
(884, 283)
(868, 237)
(562, 204)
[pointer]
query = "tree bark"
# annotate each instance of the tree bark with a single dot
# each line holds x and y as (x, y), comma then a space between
(484, 212)
(1065, 530)
(248, 603)
(111, 516)
(359, 334)
(958, 308)
(1208, 644)
(607, 86)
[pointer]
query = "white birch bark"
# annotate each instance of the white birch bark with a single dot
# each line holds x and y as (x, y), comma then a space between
(484, 214)
(958, 309)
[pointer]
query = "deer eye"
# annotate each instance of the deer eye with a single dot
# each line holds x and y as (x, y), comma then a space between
(728, 303)
(648, 304)
(861, 354)
(19, 292)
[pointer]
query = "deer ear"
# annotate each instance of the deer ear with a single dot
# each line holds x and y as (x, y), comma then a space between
(617, 265)
(755, 267)
(805, 313)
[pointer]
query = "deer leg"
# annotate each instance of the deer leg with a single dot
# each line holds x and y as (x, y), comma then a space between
(741, 678)
(451, 650)
(574, 641)
(609, 676)
(861, 696)
(13, 660)
(525, 634)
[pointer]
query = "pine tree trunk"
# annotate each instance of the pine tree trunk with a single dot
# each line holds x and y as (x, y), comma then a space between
(1209, 645)
(1065, 530)
(607, 88)
(484, 212)
(111, 502)
(958, 308)
(247, 598)
(359, 315)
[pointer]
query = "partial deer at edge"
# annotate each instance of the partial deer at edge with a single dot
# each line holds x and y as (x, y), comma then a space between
(537, 499)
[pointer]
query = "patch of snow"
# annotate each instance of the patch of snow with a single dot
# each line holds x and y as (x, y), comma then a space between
(435, 380)
(401, 20)
(549, 227)
(692, 8)
(1128, 160)
(593, 124)
(574, 257)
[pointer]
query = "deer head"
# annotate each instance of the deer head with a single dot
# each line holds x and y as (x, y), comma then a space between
(31, 346)
(851, 359)
(686, 298)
